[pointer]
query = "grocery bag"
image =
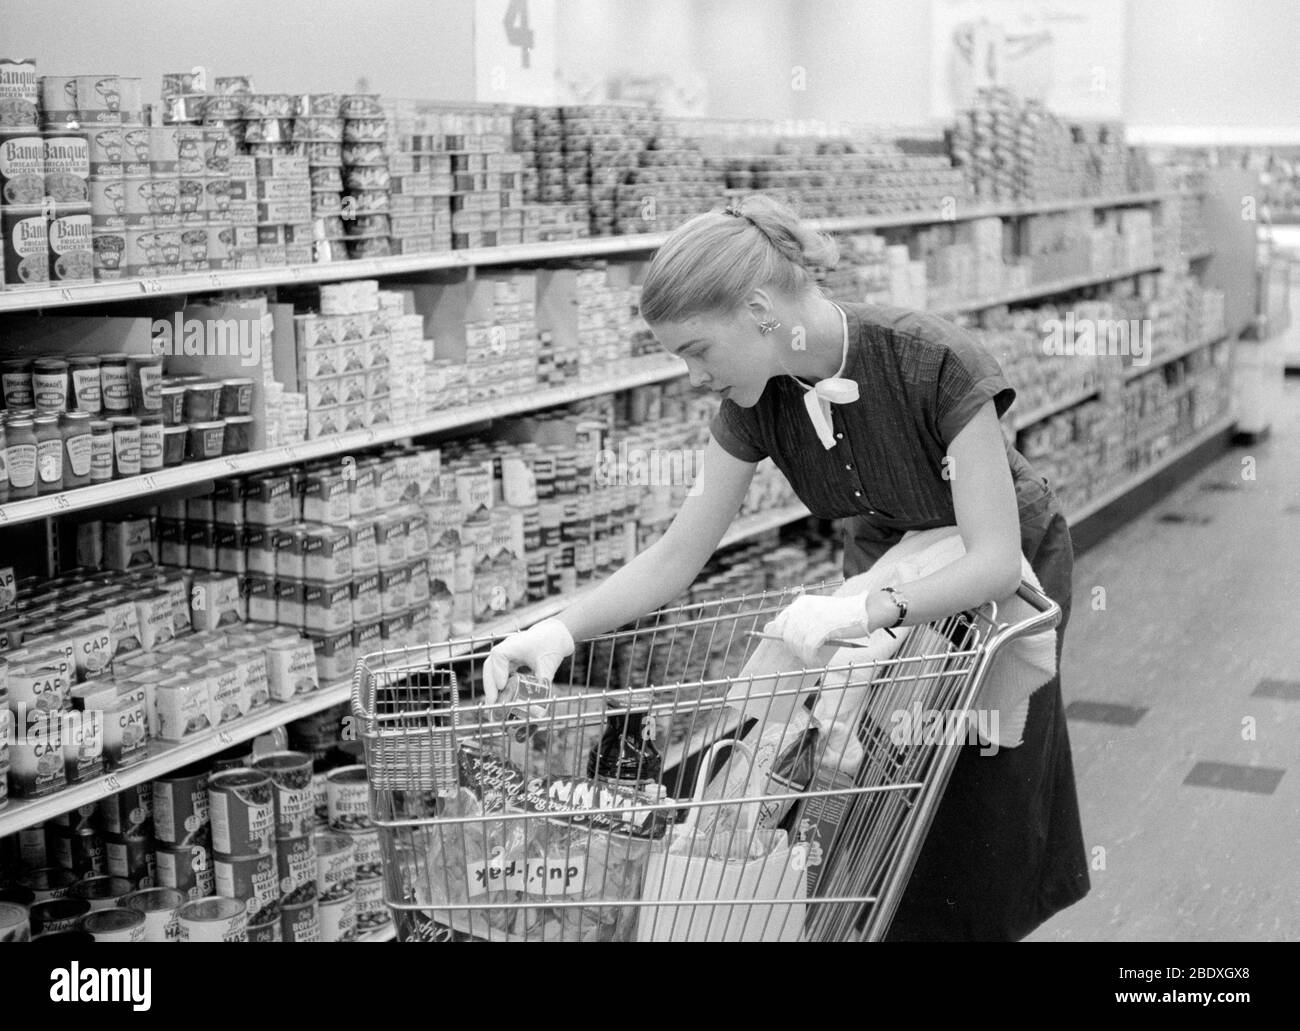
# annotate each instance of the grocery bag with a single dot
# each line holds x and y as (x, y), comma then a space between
(755, 864)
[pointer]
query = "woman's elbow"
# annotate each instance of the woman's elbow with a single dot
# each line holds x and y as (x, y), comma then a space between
(1008, 577)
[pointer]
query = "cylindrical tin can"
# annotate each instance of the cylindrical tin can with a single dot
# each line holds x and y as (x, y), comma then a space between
(88, 854)
(49, 882)
(349, 798)
(163, 150)
(71, 243)
(250, 878)
(25, 246)
(65, 940)
(107, 202)
(15, 923)
(135, 152)
(159, 906)
(242, 810)
(336, 871)
(22, 169)
(367, 853)
(58, 915)
(99, 99)
(137, 210)
(32, 851)
(267, 932)
(213, 919)
(290, 774)
(187, 868)
(101, 892)
(67, 169)
(115, 925)
(59, 100)
(108, 250)
(131, 858)
(129, 812)
(371, 910)
(297, 866)
(83, 816)
(301, 923)
(338, 919)
(131, 102)
(180, 807)
(106, 152)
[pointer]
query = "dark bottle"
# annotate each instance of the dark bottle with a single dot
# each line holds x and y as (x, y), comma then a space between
(626, 755)
(792, 771)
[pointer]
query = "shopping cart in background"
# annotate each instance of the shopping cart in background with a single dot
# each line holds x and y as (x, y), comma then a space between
(671, 785)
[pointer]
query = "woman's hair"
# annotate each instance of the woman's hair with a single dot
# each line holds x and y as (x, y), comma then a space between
(712, 262)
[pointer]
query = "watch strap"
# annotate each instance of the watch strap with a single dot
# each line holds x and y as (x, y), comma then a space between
(900, 602)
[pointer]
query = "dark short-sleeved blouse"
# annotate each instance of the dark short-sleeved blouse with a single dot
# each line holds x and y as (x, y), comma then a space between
(921, 380)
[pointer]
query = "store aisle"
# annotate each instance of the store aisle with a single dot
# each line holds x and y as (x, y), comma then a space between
(1184, 704)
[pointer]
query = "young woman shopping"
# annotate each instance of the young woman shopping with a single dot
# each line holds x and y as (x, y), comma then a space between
(888, 419)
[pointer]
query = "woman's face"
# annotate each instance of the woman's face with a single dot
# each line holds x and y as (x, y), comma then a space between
(725, 353)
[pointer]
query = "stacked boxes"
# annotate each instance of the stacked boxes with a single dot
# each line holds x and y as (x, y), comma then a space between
(420, 182)
(283, 210)
(501, 353)
(669, 185)
(344, 361)
(587, 320)
(364, 156)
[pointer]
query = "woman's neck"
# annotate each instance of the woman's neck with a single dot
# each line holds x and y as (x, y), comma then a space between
(812, 348)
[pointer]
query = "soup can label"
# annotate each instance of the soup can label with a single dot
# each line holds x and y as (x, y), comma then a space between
(187, 869)
(22, 170)
(135, 152)
(371, 910)
(338, 919)
(67, 168)
(367, 853)
(297, 865)
(59, 99)
(71, 248)
(133, 860)
(301, 923)
(348, 792)
(129, 813)
(25, 246)
(57, 915)
(242, 810)
(250, 878)
(215, 919)
(268, 932)
(190, 204)
(336, 872)
(180, 809)
(99, 99)
(105, 145)
(159, 906)
(109, 248)
(163, 149)
(290, 774)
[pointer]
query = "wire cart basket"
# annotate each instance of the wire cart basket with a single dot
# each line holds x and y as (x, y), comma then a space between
(682, 780)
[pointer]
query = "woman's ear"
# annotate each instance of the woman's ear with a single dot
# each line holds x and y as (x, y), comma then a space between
(760, 307)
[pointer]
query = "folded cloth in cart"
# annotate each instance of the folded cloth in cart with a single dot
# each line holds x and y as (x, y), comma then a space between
(1018, 670)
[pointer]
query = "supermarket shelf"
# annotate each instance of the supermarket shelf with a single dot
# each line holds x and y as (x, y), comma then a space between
(516, 254)
(634, 373)
(167, 757)
(1135, 371)
(1057, 286)
(1052, 408)
(1109, 497)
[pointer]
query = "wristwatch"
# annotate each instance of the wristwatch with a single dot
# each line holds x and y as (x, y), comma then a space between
(899, 601)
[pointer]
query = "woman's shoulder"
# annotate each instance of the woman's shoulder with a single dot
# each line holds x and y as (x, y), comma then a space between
(897, 325)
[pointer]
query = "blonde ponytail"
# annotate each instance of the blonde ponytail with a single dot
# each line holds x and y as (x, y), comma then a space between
(712, 262)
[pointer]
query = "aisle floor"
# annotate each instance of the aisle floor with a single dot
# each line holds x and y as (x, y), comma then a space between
(1184, 700)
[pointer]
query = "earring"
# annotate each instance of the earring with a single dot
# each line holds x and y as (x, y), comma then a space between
(768, 326)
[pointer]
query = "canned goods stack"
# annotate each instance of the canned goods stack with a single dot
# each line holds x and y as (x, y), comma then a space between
(318, 135)
(669, 184)
(502, 348)
(421, 179)
(366, 178)
(349, 820)
(244, 858)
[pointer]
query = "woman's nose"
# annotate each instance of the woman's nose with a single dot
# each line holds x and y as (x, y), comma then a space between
(697, 377)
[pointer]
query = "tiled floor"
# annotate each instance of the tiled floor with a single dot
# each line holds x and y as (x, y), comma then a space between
(1191, 808)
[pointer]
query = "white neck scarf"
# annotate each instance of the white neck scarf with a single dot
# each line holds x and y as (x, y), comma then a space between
(817, 399)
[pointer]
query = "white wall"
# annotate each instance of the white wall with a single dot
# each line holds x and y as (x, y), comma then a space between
(404, 48)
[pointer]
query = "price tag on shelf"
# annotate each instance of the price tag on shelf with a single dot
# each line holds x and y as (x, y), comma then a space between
(225, 737)
(151, 286)
(110, 785)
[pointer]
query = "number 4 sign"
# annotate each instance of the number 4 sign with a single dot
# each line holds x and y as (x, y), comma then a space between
(518, 34)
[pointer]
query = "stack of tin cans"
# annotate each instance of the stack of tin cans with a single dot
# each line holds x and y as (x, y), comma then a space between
(318, 135)
(364, 155)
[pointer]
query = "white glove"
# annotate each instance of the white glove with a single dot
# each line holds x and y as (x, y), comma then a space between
(811, 619)
(542, 647)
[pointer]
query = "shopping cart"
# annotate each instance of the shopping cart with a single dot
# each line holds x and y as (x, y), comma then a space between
(679, 787)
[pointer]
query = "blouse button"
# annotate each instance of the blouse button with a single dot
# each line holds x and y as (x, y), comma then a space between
(839, 436)
(847, 466)
(857, 493)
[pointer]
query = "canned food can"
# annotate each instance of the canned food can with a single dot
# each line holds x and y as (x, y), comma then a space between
(131, 100)
(102, 892)
(106, 152)
(164, 150)
(336, 872)
(213, 919)
(320, 797)
(348, 794)
(301, 923)
(48, 882)
(180, 807)
(89, 853)
(242, 810)
(67, 168)
(80, 818)
(298, 870)
(99, 99)
(187, 868)
(290, 774)
(254, 879)
(367, 853)
(159, 906)
(115, 925)
(71, 243)
(338, 919)
(22, 169)
(129, 813)
(132, 859)
(15, 923)
(267, 932)
(371, 910)
(25, 246)
(135, 152)
(59, 99)
(108, 248)
(57, 915)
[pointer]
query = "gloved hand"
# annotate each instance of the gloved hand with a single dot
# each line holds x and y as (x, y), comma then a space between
(542, 647)
(811, 619)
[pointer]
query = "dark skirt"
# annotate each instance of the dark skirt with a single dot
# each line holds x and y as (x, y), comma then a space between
(1005, 850)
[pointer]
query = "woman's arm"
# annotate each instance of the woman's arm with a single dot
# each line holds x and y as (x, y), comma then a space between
(988, 518)
(666, 568)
